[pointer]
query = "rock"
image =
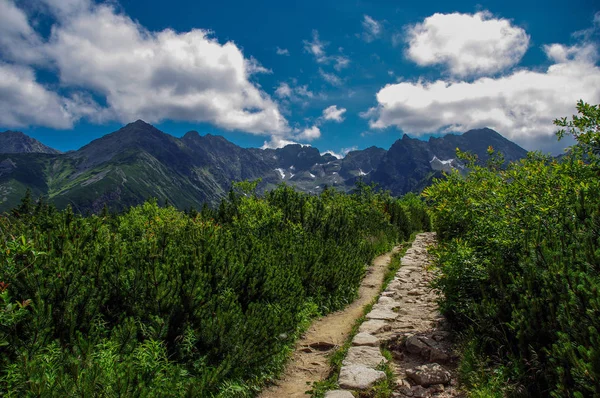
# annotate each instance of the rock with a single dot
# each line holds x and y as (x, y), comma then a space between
(384, 314)
(322, 346)
(420, 392)
(429, 374)
(414, 292)
(358, 377)
(440, 335)
(406, 391)
(339, 394)
(374, 326)
(365, 339)
(438, 355)
(386, 307)
(386, 300)
(414, 345)
(398, 355)
(362, 355)
(436, 388)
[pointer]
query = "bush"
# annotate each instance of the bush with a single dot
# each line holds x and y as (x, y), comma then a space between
(519, 261)
(160, 302)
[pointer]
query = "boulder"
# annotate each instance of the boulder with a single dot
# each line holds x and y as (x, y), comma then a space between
(414, 345)
(339, 394)
(428, 375)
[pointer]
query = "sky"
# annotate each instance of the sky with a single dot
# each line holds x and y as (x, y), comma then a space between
(338, 75)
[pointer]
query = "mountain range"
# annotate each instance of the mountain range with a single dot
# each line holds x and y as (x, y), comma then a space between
(138, 162)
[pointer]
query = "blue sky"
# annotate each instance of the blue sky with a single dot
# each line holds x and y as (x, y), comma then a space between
(333, 74)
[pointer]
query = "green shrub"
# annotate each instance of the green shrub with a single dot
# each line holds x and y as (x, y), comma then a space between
(519, 261)
(159, 302)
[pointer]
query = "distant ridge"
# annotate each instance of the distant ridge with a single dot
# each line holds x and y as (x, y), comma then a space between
(138, 162)
(17, 142)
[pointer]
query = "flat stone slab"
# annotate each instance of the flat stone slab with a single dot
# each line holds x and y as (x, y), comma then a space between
(384, 314)
(339, 394)
(374, 326)
(365, 339)
(387, 306)
(357, 377)
(384, 300)
(363, 355)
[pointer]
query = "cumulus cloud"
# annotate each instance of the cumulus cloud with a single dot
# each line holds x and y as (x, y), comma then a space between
(342, 153)
(466, 44)
(372, 28)
(282, 51)
(25, 102)
(18, 40)
(277, 141)
(520, 105)
(310, 134)
(150, 75)
(334, 113)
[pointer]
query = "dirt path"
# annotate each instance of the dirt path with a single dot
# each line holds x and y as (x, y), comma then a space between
(307, 364)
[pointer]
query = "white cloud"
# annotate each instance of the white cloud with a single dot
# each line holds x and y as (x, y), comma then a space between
(310, 134)
(317, 48)
(303, 91)
(467, 44)
(18, 41)
(342, 153)
(293, 93)
(334, 154)
(277, 142)
(283, 90)
(341, 62)
(154, 76)
(25, 102)
(520, 105)
(372, 28)
(282, 51)
(330, 78)
(334, 113)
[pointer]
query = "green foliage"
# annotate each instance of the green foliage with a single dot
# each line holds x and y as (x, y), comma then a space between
(519, 262)
(158, 302)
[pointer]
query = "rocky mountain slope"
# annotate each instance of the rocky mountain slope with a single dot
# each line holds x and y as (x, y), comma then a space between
(138, 162)
(17, 142)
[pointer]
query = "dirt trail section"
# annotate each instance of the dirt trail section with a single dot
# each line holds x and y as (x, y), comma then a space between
(406, 321)
(310, 361)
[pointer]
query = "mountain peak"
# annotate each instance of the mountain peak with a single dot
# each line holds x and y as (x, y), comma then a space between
(17, 142)
(191, 134)
(140, 122)
(482, 132)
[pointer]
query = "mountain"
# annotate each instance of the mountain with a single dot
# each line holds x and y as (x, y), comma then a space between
(139, 161)
(17, 142)
(410, 164)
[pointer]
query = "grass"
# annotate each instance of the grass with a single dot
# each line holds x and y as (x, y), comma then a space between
(384, 388)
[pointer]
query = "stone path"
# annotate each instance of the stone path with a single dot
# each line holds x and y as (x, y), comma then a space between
(406, 321)
(310, 361)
